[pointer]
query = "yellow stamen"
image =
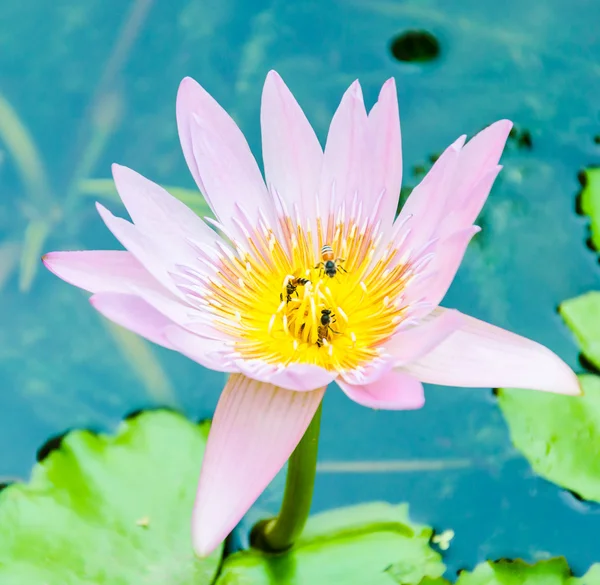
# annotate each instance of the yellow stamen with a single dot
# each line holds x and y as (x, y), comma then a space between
(339, 322)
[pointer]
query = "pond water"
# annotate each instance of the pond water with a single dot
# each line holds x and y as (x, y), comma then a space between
(61, 366)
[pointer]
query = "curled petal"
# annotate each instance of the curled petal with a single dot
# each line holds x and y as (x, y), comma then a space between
(292, 154)
(298, 377)
(395, 390)
(482, 355)
(134, 314)
(219, 157)
(255, 428)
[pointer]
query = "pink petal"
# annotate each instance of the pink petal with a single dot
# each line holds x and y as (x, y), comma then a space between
(212, 353)
(393, 391)
(385, 151)
(298, 377)
(344, 161)
(170, 223)
(443, 267)
(100, 271)
(254, 430)
(463, 217)
(475, 174)
(219, 157)
(292, 154)
(411, 344)
(141, 246)
(480, 155)
(428, 201)
(370, 372)
(482, 355)
(134, 314)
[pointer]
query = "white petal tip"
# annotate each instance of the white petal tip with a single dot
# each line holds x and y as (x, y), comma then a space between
(389, 85)
(502, 128)
(575, 388)
(204, 548)
(187, 82)
(272, 74)
(48, 260)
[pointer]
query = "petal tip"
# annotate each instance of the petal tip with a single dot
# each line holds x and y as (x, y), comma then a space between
(388, 86)
(203, 547)
(187, 82)
(51, 261)
(116, 167)
(273, 75)
(354, 92)
(576, 389)
(502, 127)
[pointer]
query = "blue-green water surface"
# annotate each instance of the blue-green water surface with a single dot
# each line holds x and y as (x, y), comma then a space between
(95, 82)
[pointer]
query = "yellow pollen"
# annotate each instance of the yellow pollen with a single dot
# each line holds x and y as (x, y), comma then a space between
(283, 303)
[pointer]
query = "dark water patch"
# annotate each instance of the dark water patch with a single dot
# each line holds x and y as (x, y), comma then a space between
(521, 137)
(575, 501)
(415, 46)
(132, 415)
(588, 365)
(55, 442)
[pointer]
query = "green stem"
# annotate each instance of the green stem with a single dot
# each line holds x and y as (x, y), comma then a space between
(280, 533)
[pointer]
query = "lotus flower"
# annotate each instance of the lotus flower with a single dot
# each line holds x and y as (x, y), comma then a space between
(308, 278)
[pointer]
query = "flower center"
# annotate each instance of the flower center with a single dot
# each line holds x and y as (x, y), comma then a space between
(327, 300)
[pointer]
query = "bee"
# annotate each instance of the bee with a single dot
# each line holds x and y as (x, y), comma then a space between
(291, 283)
(327, 318)
(328, 264)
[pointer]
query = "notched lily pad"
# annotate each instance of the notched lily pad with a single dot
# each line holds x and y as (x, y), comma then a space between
(559, 435)
(111, 510)
(550, 572)
(589, 201)
(582, 315)
(371, 543)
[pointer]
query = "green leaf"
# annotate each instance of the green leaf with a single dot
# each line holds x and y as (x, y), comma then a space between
(559, 435)
(590, 201)
(109, 510)
(550, 572)
(20, 144)
(368, 544)
(582, 315)
(36, 234)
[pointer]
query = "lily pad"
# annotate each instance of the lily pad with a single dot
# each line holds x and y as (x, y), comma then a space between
(559, 435)
(371, 543)
(111, 510)
(582, 315)
(590, 201)
(550, 572)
